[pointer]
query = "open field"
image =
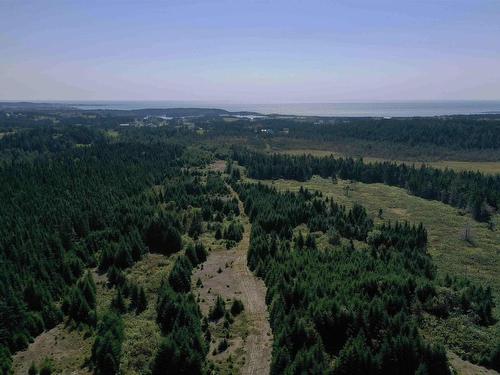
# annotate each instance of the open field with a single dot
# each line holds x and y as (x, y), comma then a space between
(488, 167)
(68, 350)
(225, 274)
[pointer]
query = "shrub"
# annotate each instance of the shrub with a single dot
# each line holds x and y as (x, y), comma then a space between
(236, 307)
(218, 310)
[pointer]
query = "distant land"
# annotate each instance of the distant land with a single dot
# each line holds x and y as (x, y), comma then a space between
(343, 109)
(159, 112)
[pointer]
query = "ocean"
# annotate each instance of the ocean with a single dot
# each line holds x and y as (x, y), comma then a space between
(375, 109)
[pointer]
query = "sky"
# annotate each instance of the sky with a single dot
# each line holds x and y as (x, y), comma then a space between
(250, 51)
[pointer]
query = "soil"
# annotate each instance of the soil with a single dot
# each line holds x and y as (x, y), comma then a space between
(68, 350)
(225, 274)
(466, 368)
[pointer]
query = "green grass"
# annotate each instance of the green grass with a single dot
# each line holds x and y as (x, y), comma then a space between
(112, 134)
(142, 334)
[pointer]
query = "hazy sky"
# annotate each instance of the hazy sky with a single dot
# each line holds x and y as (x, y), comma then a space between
(250, 51)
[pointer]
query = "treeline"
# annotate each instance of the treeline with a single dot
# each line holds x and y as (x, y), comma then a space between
(453, 132)
(51, 139)
(478, 193)
(56, 217)
(341, 310)
(19, 119)
(107, 348)
(458, 133)
(183, 347)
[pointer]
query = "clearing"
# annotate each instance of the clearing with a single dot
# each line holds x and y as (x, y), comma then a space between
(225, 274)
(68, 350)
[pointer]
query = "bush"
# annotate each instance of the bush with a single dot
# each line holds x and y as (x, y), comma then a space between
(234, 231)
(333, 237)
(218, 310)
(180, 276)
(32, 370)
(106, 351)
(46, 368)
(181, 352)
(493, 360)
(236, 307)
(223, 345)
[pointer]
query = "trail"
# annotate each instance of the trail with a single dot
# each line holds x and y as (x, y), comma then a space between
(237, 281)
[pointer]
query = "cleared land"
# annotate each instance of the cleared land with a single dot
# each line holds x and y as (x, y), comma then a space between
(466, 368)
(68, 350)
(142, 334)
(225, 274)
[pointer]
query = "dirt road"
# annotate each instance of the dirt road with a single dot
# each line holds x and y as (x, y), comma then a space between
(235, 280)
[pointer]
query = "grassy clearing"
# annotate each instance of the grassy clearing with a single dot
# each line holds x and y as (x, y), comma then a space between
(488, 167)
(112, 134)
(225, 274)
(215, 283)
(142, 334)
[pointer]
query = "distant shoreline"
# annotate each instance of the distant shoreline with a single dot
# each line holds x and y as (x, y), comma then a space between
(342, 109)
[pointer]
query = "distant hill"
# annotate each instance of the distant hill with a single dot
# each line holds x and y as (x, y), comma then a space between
(172, 112)
(177, 112)
(168, 112)
(30, 106)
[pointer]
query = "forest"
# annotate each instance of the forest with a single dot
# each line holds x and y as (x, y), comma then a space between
(474, 191)
(456, 132)
(56, 215)
(355, 308)
(85, 200)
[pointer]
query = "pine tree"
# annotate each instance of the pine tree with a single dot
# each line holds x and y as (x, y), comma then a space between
(118, 303)
(106, 351)
(236, 307)
(142, 301)
(196, 227)
(218, 233)
(218, 310)
(33, 370)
